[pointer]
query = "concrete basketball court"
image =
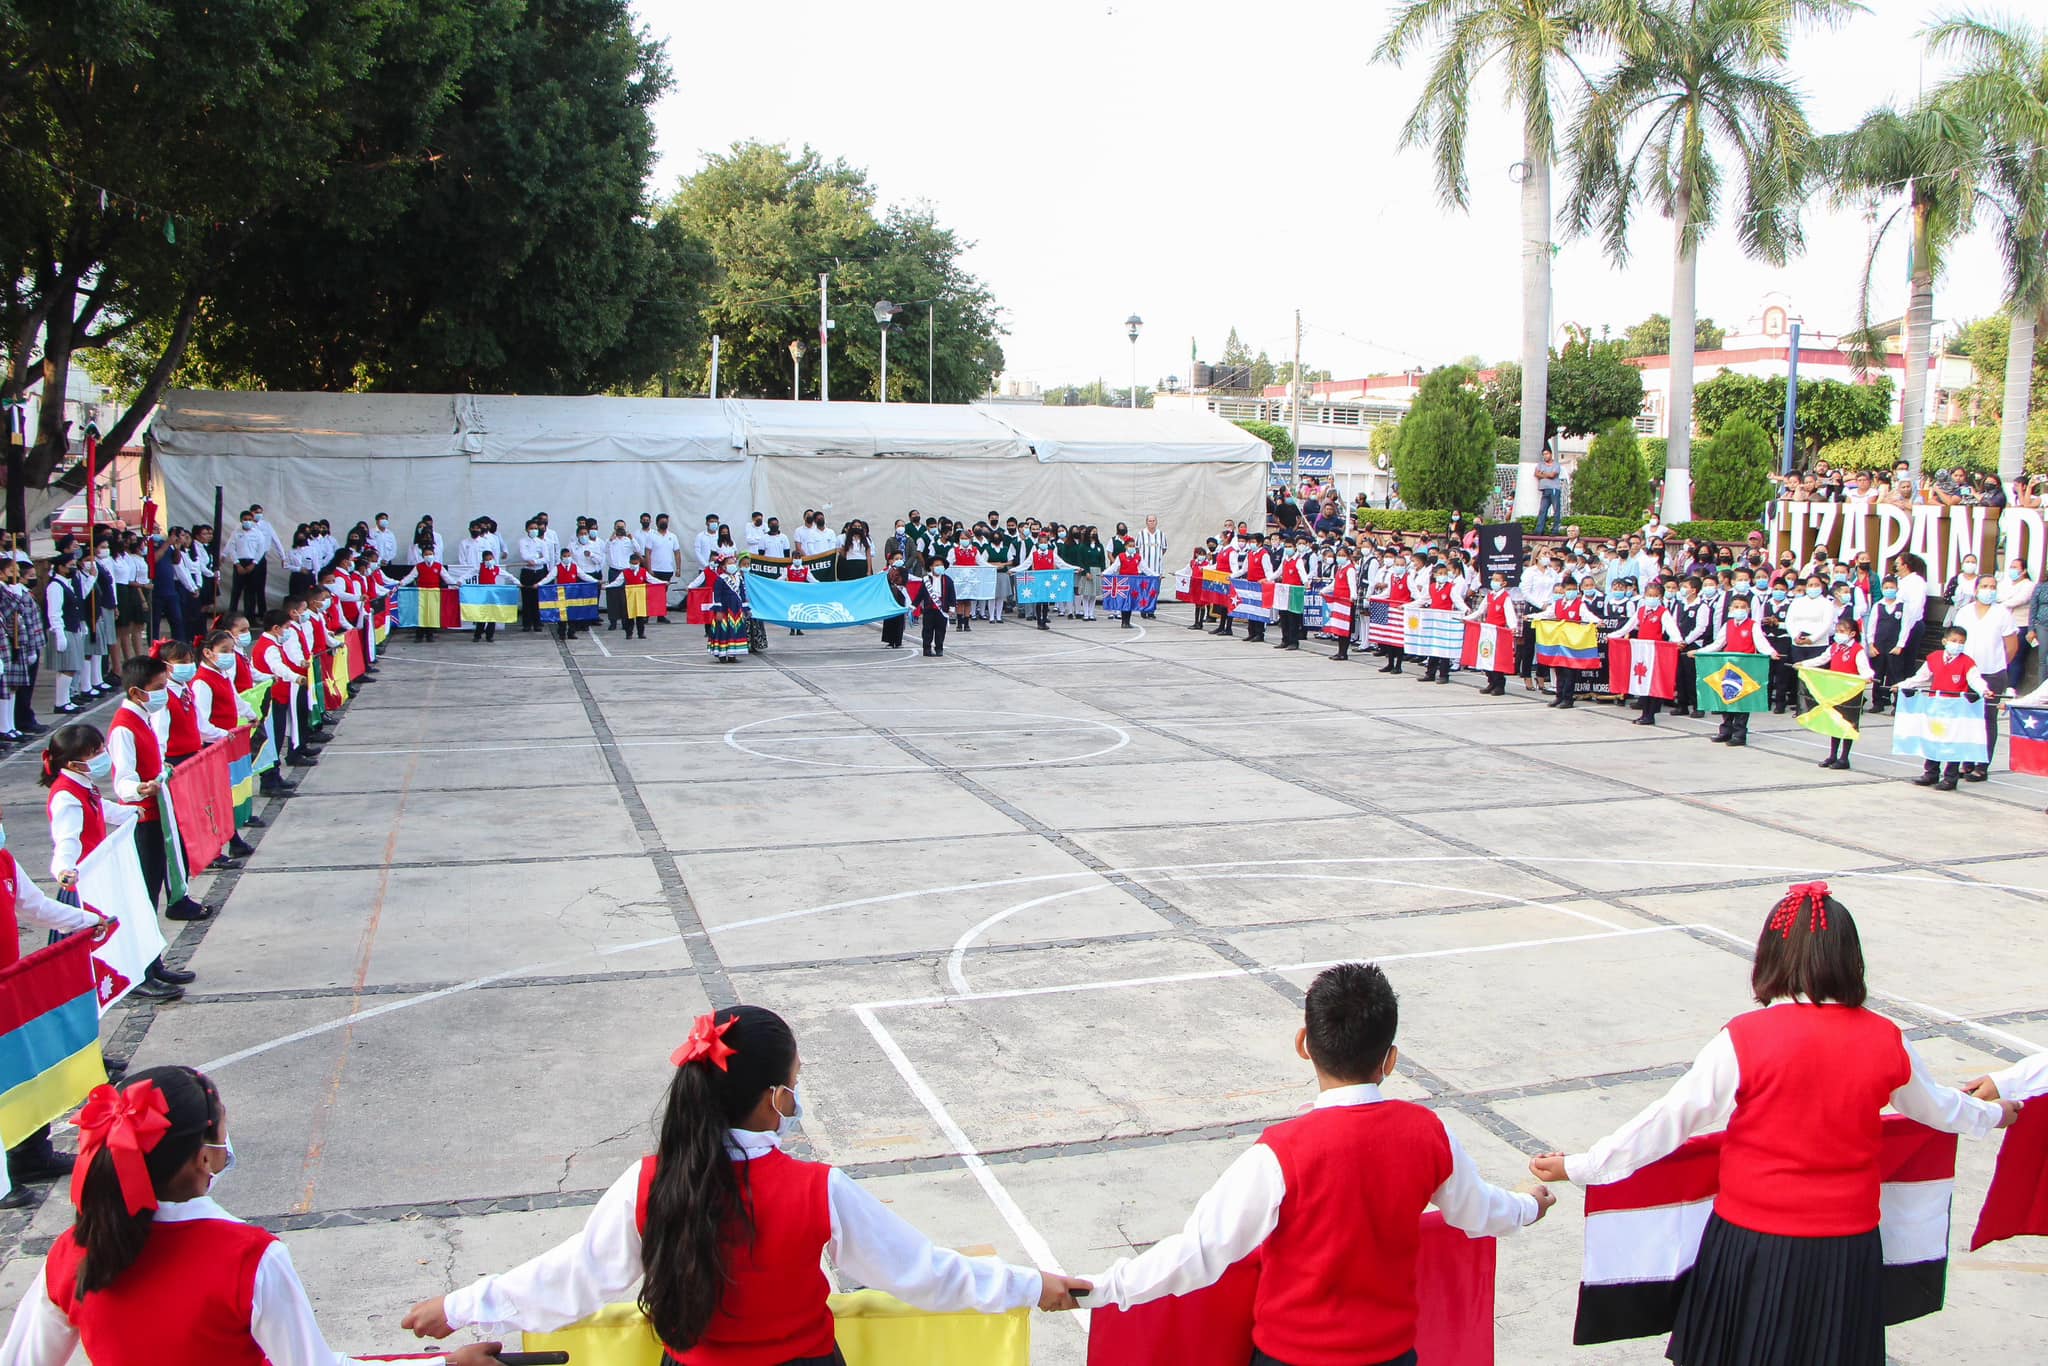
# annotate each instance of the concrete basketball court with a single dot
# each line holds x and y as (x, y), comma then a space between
(1041, 913)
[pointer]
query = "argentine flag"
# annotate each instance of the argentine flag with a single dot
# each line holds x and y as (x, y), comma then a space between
(1947, 730)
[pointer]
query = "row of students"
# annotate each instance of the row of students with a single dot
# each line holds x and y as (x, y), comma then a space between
(723, 1231)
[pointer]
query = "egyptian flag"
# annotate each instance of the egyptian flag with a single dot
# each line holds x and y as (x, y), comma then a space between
(2017, 1203)
(1454, 1278)
(1488, 648)
(1643, 1233)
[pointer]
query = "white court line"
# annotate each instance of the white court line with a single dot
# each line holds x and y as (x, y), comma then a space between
(598, 640)
(1222, 974)
(1028, 1236)
(633, 742)
(1123, 738)
(2024, 1045)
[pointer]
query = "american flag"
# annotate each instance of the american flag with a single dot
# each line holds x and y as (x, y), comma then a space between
(1383, 625)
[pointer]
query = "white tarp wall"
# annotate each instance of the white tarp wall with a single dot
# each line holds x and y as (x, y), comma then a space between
(350, 456)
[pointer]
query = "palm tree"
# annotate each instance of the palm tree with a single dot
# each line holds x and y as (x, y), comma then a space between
(1535, 41)
(1709, 79)
(2003, 84)
(1931, 155)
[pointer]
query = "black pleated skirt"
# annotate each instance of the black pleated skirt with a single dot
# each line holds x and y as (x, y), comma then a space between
(1758, 1299)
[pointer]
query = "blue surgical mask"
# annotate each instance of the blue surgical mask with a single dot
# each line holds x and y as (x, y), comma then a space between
(100, 767)
(1888, 592)
(227, 1145)
(1987, 596)
(156, 699)
(242, 641)
(1812, 592)
(184, 673)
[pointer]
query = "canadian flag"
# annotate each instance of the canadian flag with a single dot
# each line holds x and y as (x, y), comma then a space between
(1642, 668)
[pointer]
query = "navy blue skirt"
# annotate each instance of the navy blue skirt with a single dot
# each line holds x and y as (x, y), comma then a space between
(1760, 1299)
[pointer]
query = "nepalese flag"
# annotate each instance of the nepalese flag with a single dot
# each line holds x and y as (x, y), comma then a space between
(2029, 747)
(1947, 730)
(2017, 1203)
(1568, 644)
(1490, 649)
(49, 1036)
(1383, 625)
(1731, 681)
(1643, 1233)
(489, 602)
(1129, 592)
(1642, 668)
(571, 602)
(1454, 1290)
(1433, 632)
(1216, 590)
(431, 609)
(1248, 601)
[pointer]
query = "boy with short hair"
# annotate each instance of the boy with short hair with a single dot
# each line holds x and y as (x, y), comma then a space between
(1332, 1200)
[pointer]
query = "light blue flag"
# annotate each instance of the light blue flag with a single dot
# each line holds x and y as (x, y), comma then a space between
(973, 582)
(816, 606)
(1948, 730)
(1043, 585)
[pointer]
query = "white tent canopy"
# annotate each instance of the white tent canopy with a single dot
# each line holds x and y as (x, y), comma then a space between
(350, 456)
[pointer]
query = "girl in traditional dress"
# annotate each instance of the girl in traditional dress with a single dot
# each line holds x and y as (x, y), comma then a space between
(728, 636)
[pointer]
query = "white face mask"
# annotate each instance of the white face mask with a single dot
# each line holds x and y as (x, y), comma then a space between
(789, 1125)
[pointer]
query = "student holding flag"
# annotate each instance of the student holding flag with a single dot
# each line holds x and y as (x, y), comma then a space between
(1789, 1266)
(1990, 635)
(1497, 608)
(1845, 655)
(136, 739)
(1739, 634)
(1950, 672)
(723, 1231)
(1568, 605)
(1649, 619)
(1332, 1201)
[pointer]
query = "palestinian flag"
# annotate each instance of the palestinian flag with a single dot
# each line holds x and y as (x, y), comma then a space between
(1643, 1233)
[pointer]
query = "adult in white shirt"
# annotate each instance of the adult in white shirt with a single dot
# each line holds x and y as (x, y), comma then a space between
(1810, 621)
(774, 544)
(588, 552)
(256, 604)
(384, 540)
(619, 550)
(706, 546)
(757, 535)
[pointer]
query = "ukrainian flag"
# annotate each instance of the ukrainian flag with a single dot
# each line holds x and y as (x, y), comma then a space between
(497, 602)
(874, 1329)
(49, 1036)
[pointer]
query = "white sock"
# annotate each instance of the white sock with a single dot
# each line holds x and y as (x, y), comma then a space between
(92, 673)
(63, 687)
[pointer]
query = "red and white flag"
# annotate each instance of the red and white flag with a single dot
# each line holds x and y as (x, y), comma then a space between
(1490, 649)
(1642, 668)
(2017, 1203)
(1643, 1233)
(110, 883)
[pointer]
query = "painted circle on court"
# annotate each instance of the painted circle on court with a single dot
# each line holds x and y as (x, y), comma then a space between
(1089, 738)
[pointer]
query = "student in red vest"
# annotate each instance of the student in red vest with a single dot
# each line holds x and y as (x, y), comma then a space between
(1651, 618)
(1042, 558)
(488, 575)
(723, 1231)
(1740, 634)
(1290, 568)
(567, 572)
(1496, 608)
(1259, 566)
(1337, 1253)
(428, 573)
(193, 727)
(1845, 655)
(152, 1271)
(1568, 605)
(270, 657)
(1948, 672)
(1789, 1267)
(1129, 562)
(962, 552)
(136, 739)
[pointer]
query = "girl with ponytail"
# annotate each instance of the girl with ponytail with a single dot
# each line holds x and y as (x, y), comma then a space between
(152, 1272)
(724, 1231)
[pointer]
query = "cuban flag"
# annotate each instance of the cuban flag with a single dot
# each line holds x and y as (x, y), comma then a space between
(2029, 746)
(1947, 730)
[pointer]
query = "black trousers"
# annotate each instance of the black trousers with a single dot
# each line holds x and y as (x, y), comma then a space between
(1436, 668)
(24, 710)
(1995, 682)
(529, 598)
(1567, 684)
(150, 853)
(245, 593)
(1254, 630)
(1406, 1358)
(934, 632)
(1290, 628)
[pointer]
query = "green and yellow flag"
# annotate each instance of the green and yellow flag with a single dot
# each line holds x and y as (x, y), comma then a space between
(1730, 681)
(1827, 690)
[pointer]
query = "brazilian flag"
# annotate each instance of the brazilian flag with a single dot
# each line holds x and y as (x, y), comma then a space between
(1733, 682)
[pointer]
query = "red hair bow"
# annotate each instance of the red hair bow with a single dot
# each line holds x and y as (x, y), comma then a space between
(1814, 894)
(707, 1040)
(129, 1124)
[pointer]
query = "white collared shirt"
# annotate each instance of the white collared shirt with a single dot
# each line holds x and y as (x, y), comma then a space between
(2023, 1080)
(67, 825)
(281, 1321)
(121, 745)
(869, 1243)
(1242, 1209)
(662, 549)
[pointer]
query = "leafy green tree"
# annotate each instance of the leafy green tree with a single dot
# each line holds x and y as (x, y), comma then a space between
(1829, 409)
(1732, 478)
(1611, 480)
(1987, 343)
(2003, 83)
(1274, 435)
(1591, 386)
(1708, 82)
(1652, 336)
(1927, 161)
(1534, 42)
(1443, 449)
(1502, 396)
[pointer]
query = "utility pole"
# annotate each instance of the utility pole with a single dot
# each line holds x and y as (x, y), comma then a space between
(714, 365)
(824, 344)
(931, 332)
(1791, 401)
(1294, 392)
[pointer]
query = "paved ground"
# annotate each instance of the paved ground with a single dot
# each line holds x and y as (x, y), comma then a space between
(1041, 914)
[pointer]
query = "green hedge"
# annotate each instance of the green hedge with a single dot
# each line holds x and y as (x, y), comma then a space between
(1407, 519)
(1972, 448)
(1593, 528)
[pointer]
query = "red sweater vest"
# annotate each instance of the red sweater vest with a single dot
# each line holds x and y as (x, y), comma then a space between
(1397, 589)
(1570, 609)
(270, 657)
(10, 923)
(1945, 675)
(427, 575)
(1742, 638)
(1497, 608)
(1650, 623)
(569, 573)
(1337, 1279)
(221, 708)
(1290, 572)
(1800, 1159)
(184, 1302)
(88, 797)
(184, 741)
(488, 573)
(1129, 564)
(1440, 598)
(1255, 566)
(1842, 658)
(774, 1307)
(245, 677)
(149, 756)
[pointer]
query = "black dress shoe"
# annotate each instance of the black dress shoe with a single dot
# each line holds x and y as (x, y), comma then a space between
(1926, 780)
(50, 1166)
(150, 989)
(1945, 785)
(255, 823)
(223, 865)
(185, 908)
(1976, 775)
(20, 1197)
(177, 977)
(239, 847)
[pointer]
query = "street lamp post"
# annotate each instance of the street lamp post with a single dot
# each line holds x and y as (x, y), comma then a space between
(884, 311)
(796, 363)
(1134, 322)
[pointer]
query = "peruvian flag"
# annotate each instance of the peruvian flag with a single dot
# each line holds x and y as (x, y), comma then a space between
(2017, 1203)
(1490, 649)
(1642, 668)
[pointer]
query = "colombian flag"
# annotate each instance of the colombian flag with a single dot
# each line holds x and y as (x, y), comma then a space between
(873, 1329)
(431, 609)
(49, 1036)
(1568, 644)
(491, 602)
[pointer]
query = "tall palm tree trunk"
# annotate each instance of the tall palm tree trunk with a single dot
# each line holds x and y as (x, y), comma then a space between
(1684, 308)
(1535, 322)
(1919, 336)
(2019, 389)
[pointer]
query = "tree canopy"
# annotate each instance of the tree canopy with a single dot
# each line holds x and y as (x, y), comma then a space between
(1591, 386)
(1443, 449)
(1611, 479)
(1829, 410)
(1652, 336)
(1732, 472)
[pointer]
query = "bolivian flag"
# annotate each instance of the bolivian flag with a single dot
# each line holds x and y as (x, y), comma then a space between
(337, 675)
(49, 1036)
(494, 602)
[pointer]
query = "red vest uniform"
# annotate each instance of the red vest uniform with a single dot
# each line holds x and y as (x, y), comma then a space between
(271, 659)
(488, 573)
(1397, 589)
(427, 574)
(1742, 637)
(773, 1308)
(1573, 609)
(149, 756)
(221, 709)
(1951, 676)
(1496, 613)
(10, 925)
(632, 578)
(1842, 658)
(1440, 599)
(1650, 623)
(245, 677)
(1337, 1279)
(88, 797)
(964, 556)
(1800, 1159)
(1129, 564)
(185, 741)
(1044, 559)
(569, 573)
(1290, 572)
(1255, 565)
(184, 1302)
(336, 623)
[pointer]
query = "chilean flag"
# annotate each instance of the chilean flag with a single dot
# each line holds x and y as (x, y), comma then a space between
(1642, 668)
(2029, 747)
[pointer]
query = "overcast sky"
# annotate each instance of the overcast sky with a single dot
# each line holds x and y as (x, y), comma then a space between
(1117, 156)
